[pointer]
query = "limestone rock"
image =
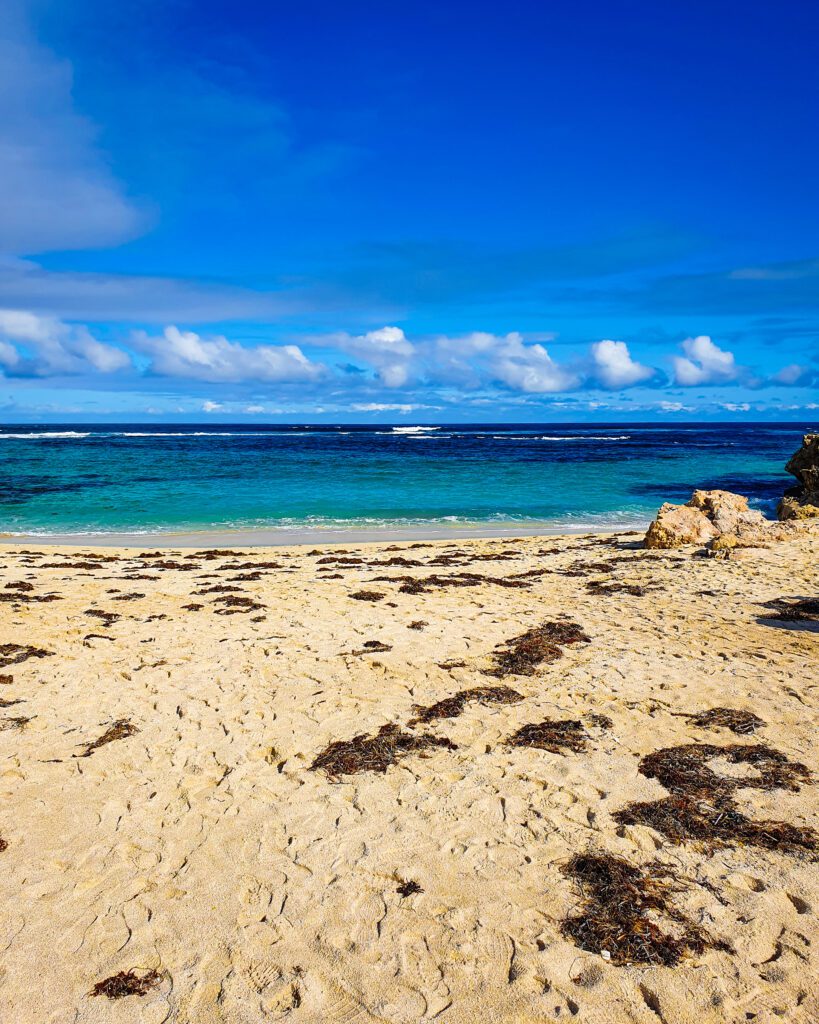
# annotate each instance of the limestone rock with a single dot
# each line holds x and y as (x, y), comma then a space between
(728, 512)
(676, 525)
(802, 501)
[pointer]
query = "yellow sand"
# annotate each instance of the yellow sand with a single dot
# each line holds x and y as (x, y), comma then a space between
(203, 847)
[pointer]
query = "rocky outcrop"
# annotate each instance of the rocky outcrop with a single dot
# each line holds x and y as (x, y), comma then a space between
(707, 516)
(802, 501)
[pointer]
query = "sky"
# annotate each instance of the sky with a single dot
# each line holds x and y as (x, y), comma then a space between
(422, 212)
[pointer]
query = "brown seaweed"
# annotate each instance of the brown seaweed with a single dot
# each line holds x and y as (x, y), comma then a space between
(375, 753)
(452, 707)
(620, 912)
(367, 595)
(120, 730)
(701, 807)
(126, 983)
(15, 654)
(524, 653)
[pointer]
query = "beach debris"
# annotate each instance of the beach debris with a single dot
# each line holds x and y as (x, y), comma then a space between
(9, 703)
(6, 679)
(106, 618)
(417, 624)
(616, 587)
(219, 588)
(408, 888)
(524, 653)
(701, 808)
(554, 736)
(794, 609)
(367, 595)
(3, 844)
(740, 722)
(802, 501)
(232, 605)
(15, 654)
(375, 753)
(425, 584)
(128, 597)
(120, 730)
(621, 907)
(13, 723)
(194, 607)
(127, 983)
(452, 707)
(22, 586)
(373, 647)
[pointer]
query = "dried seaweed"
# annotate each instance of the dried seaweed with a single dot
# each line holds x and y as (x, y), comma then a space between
(794, 609)
(21, 586)
(554, 736)
(425, 584)
(3, 844)
(367, 595)
(192, 607)
(522, 654)
(452, 707)
(15, 654)
(616, 587)
(374, 753)
(621, 905)
(106, 618)
(417, 624)
(120, 730)
(233, 605)
(128, 597)
(701, 807)
(6, 679)
(373, 647)
(13, 723)
(408, 888)
(740, 722)
(126, 983)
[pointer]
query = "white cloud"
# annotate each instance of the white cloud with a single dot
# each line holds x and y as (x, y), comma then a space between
(529, 368)
(704, 363)
(385, 407)
(387, 350)
(55, 189)
(43, 346)
(254, 410)
(186, 354)
(615, 368)
(735, 406)
(673, 407)
(209, 406)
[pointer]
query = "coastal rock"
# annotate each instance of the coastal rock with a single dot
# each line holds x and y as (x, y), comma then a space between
(677, 525)
(802, 502)
(728, 512)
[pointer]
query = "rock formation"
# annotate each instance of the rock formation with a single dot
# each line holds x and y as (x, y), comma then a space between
(802, 501)
(708, 515)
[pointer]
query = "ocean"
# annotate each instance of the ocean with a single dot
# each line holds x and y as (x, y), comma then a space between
(137, 479)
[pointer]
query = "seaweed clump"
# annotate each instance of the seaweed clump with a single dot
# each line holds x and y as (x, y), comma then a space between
(367, 595)
(120, 730)
(804, 610)
(410, 888)
(740, 722)
(14, 654)
(621, 905)
(373, 753)
(451, 707)
(701, 808)
(557, 736)
(126, 983)
(522, 654)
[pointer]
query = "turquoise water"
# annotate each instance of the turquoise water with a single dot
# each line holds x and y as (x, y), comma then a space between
(132, 478)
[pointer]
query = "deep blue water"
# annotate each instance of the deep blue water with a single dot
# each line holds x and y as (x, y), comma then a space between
(135, 478)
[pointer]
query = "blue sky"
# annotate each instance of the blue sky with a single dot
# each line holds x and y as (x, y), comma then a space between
(370, 211)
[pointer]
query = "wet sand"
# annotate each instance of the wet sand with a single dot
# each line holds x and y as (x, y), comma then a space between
(184, 818)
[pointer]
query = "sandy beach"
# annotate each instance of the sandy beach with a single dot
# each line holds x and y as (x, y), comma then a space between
(188, 835)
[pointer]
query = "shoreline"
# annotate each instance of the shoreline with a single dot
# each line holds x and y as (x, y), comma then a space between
(276, 538)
